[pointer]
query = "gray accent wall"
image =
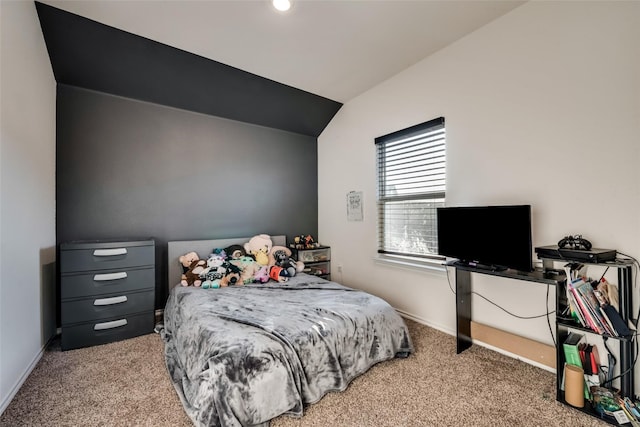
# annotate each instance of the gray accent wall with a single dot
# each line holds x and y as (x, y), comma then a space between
(87, 54)
(153, 141)
(131, 169)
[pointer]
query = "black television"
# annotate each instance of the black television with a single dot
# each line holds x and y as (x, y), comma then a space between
(493, 237)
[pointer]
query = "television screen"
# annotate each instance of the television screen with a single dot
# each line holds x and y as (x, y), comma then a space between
(497, 237)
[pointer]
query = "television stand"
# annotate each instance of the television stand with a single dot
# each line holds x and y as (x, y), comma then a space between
(556, 277)
(463, 293)
(478, 266)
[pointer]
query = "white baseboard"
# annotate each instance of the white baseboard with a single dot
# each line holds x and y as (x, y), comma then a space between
(480, 343)
(430, 324)
(16, 387)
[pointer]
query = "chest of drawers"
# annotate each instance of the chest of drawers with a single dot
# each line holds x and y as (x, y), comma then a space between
(106, 291)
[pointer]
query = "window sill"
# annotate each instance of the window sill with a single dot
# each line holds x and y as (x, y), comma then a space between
(431, 266)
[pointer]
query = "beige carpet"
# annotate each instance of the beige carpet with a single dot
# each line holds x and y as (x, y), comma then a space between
(126, 384)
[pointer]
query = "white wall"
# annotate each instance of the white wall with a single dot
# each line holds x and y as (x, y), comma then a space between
(542, 107)
(27, 196)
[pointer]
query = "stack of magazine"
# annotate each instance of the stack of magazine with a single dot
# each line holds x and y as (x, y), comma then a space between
(592, 306)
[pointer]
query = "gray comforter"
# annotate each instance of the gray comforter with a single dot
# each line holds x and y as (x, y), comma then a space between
(244, 355)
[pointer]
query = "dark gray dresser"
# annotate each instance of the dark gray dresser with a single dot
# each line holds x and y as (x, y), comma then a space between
(106, 291)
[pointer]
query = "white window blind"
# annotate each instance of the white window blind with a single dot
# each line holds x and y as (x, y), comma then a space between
(411, 185)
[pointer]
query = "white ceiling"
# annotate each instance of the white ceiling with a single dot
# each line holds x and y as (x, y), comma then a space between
(334, 48)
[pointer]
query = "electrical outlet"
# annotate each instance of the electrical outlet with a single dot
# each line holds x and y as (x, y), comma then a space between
(339, 269)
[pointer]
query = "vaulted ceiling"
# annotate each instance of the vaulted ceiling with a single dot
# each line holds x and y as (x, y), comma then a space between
(245, 61)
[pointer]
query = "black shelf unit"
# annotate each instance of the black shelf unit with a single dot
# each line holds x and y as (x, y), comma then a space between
(549, 276)
(626, 349)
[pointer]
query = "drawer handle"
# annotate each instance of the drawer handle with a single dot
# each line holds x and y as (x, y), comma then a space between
(110, 252)
(109, 325)
(110, 276)
(110, 301)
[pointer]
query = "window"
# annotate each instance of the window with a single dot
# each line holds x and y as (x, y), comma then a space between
(411, 185)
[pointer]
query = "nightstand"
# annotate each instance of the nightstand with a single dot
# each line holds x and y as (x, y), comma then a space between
(317, 261)
(107, 291)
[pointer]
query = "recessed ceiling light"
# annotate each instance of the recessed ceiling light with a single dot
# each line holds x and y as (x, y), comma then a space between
(282, 5)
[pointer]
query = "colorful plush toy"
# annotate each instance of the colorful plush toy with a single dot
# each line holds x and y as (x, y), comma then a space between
(259, 246)
(281, 256)
(248, 268)
(278, 274)
(192, 267)
(304, 242)
(216, 260)
(262, 275)
(219, 251)
(215, 270)
(231, 276)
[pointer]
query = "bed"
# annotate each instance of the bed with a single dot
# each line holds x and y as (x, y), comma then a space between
(243, 355)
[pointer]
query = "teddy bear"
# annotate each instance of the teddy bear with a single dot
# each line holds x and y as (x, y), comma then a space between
(259, 246)
(281, 256)
(192, 267)
(187, 259)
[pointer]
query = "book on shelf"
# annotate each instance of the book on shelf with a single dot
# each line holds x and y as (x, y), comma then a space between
(607, 296)
(590, 364)
(585, 289)
(576, 312)
(602, 297)
(582, 306)
(571, 349)
(619, 325)
(590, 308)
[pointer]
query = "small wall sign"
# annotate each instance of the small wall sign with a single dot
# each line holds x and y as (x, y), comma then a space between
(354, 206)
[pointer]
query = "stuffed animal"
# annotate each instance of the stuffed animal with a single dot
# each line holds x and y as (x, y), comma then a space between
(278, 274)
(304, 242)
(192, 267)
(187, 259)
(219, 251)
(231, 276)
(262, 275)
(248, 268)
(215, 269)
(281, 256)
(259, 246)
(235, 252)
(215, 260)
